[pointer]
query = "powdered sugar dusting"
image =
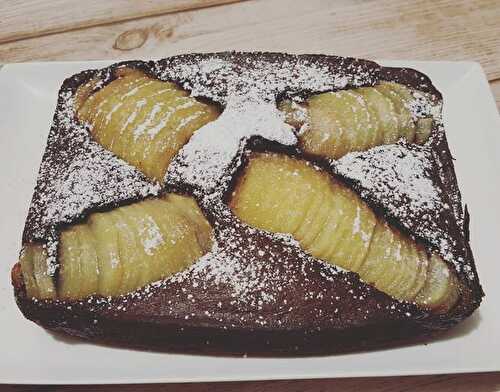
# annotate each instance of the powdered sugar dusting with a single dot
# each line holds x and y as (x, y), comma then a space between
(91, 170)
(78, 175)
(205, 160)
(250, 109)
(394, 172)
(146, 124)
(398, 178)
(150, 235)
(250, 270)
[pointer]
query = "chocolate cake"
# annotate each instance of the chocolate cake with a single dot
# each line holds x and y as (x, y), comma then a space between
(231, 158)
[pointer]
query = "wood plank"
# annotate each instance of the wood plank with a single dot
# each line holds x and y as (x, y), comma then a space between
(495, 88)
(420, 30)
(426, 30)
(31, 18)
(444, 383)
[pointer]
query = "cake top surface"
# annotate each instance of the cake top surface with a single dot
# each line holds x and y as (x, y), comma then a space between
(412, 185)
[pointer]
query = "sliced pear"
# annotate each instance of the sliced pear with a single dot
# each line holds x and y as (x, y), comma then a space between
(315, 218)
(142, 120)
(44, 281)
(404, 270)
(110, 265)
(187, 207)
(325, 242)
(130, 255)
(333, 224)
(359, 122)
(400, 97)
(83, 93)
(441, 289)
(422, 271)
(38, 283)
(415, 264)
(89, 265)
(154, 239)
(356, 236)
(356, 120)
(181, 242)
(26, 259)
(175, 131)
(374, 132)
(383, 110)
(423, 127)
(255, 199)
(139, 110)
(142, 117)
(103, 106)
(381, 262)
(339, 123)
(342, 239)
(118, 251)
(69, 260)
(146, 238)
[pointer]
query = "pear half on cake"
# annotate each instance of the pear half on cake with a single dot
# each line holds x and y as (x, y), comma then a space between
(335, 123)
(118, 251)
(142, 120)
(281, 194)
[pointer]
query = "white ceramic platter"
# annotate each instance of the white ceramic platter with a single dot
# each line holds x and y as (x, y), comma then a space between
(29, 354)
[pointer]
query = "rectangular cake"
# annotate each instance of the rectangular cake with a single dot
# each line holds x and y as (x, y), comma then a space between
(247, 203)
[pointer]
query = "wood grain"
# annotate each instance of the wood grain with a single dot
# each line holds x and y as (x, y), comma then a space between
(479, 382)
(420, 30)
(29, 18)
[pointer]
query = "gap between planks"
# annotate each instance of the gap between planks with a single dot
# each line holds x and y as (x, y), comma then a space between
(55, 16)
(419, 30)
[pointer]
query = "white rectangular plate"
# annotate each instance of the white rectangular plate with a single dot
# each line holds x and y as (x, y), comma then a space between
(29, 354)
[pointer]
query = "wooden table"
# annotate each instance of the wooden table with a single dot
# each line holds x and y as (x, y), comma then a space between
(43, 30)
